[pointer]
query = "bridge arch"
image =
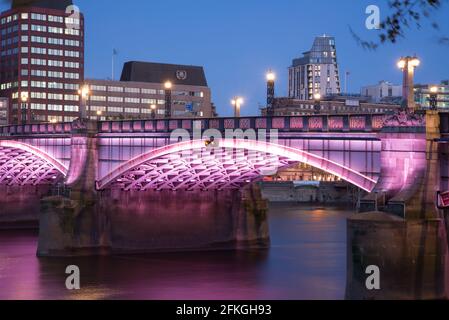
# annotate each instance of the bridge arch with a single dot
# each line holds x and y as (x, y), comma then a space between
(229, 163)
(23, 164)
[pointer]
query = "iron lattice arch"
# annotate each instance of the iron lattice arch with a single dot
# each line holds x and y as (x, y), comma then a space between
(228, 164)
(21, 164)
(206, 169)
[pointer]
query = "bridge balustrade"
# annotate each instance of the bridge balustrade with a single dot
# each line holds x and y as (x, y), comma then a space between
(319, 123)
(36, 129)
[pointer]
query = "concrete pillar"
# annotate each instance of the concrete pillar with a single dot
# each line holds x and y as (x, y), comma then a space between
(75, 225)
(416, 199)
(409, 244)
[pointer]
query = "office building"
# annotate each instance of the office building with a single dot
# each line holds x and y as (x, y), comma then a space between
(143, 85)
(316, 72)
(41, 60)
(381, 92)
(423, 93)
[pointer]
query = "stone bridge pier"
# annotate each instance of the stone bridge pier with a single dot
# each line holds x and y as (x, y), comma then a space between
(401, 230)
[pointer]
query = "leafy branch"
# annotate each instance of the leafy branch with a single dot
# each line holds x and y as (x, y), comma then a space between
(404, 15)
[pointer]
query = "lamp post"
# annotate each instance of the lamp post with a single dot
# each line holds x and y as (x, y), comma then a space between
(408, 65)
(24, 107)
(317, 103)
(237, 104)
(153, 111)
(271, 77)
(168, 96)
(84, 95)
(433, 100)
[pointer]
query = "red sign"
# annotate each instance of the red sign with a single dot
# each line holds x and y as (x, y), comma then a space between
(444, 199)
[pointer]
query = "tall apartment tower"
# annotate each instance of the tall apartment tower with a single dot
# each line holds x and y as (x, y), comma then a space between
(315, 72)
(41, 60)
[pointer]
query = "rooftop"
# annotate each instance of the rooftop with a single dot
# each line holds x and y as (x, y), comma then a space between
(150, 72)
(48, 4)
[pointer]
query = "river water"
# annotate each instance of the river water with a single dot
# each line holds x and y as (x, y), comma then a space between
(307, 260)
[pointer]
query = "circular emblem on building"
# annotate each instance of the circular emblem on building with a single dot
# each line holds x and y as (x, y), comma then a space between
(181, 74)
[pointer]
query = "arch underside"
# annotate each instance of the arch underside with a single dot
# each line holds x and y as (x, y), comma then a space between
(231, 164)
(22, 165)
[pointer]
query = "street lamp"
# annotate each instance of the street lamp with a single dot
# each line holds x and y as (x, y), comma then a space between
(237, 104)
(84, 93)
(408, 65)
(433, 100)
(271, 78)
(24, 99)
(153, 111)
(168, 96)
(317, 103)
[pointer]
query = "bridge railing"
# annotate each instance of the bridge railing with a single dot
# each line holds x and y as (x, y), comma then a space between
(318, 123)
(39, 128)
(311, 123)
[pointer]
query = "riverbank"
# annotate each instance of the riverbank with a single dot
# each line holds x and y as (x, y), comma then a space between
(333, 193)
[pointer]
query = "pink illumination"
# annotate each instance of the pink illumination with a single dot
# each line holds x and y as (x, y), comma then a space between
(231, 165)
(78, 159)
(23, 164)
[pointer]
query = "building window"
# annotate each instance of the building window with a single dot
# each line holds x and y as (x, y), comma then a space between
(149, 91)
(40, 17)
(38, 106)
(71, 97)
(70, 75)
(55, 19)
(97, 88)
(39, 95)
(115, 109)
(55, 30)
(38, 28)
(55, 96)
(132, 110)
(98, 98)
(54, 107)
(55, 85)
(115, 99)
(55, 63)
(115, 89)
(132, 90)
(70, 108)
(132, 100)
(72, 32)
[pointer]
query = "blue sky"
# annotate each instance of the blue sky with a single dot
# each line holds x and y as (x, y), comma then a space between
(237, 41)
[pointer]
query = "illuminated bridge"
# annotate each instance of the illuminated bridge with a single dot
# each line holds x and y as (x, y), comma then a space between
(148, 154)
(385, 155)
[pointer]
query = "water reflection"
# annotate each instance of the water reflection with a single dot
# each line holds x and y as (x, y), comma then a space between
(307, 261)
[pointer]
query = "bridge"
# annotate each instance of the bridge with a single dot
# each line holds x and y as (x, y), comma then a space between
(209, 167)
(347, 146)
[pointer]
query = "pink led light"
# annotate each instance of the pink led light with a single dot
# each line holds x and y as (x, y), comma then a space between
(23, 164)
(267, 153)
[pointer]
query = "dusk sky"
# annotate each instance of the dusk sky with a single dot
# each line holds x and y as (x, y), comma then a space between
(238, 41)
